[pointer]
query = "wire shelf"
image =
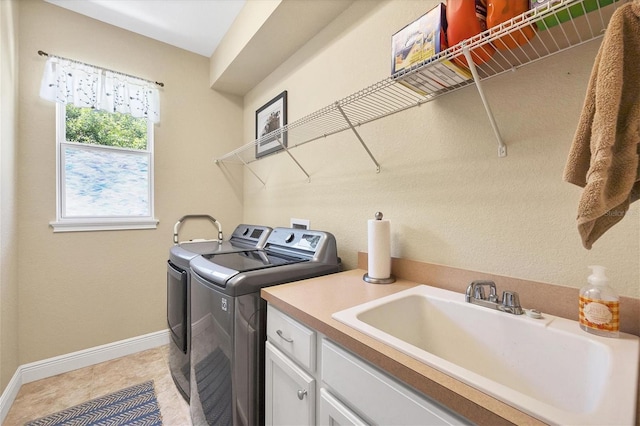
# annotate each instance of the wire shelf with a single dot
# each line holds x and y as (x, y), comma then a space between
(560, 26)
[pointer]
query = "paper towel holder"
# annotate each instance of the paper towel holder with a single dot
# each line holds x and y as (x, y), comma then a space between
(372, 280)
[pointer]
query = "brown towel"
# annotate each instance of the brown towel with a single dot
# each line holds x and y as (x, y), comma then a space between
(604, 155)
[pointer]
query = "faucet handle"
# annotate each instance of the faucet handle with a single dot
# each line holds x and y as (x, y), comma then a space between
(511, 302)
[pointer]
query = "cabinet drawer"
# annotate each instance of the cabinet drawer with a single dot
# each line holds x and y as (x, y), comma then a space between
(376, 396)
(292, 338)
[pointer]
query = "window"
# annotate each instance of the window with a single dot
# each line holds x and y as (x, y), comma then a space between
(104, 170)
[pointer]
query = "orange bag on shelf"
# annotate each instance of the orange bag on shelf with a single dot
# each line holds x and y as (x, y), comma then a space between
(499, 11)
(465, 19)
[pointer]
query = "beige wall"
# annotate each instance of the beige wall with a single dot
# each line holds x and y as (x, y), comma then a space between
(82, 289)
(449, 198)
(8, 192)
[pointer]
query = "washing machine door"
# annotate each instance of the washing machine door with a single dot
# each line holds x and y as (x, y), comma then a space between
(227, 356)
(177, 305)
(211, 355)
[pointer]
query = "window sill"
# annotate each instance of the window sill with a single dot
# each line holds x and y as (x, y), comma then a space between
(102, 225)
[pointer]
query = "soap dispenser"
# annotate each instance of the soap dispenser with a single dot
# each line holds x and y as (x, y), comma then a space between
(599, 305)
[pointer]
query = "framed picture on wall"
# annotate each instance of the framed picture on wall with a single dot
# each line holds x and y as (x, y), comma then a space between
(270, 119)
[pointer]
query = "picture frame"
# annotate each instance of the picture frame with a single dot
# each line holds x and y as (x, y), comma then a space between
(270, 119)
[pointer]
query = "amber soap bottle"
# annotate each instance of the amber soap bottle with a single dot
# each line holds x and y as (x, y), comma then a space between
(599, 305)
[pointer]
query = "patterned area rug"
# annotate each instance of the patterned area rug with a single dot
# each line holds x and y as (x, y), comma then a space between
(136, 405)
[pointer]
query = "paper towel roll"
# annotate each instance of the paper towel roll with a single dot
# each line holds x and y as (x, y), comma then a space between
(379, 249)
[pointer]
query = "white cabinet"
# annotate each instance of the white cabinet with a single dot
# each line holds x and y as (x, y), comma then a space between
(290, 391)
(290, 364)
(342, 389)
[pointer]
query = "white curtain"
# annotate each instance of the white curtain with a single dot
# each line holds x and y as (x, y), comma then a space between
(82, 85)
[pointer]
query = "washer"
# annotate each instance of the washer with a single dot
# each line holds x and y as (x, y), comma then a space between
(228, 320)
(178, 293)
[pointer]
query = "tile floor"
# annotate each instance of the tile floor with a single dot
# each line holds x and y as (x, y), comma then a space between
(47, 396)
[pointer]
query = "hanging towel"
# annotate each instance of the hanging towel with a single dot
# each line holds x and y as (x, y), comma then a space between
(604, 155)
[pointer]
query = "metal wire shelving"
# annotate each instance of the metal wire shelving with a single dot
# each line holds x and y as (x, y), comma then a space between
(561, 25)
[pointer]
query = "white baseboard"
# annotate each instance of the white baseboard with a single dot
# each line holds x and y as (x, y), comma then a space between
(9, 395)
(84, 358)
(64, 363)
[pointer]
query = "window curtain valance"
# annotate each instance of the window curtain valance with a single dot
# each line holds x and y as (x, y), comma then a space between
(69, 82)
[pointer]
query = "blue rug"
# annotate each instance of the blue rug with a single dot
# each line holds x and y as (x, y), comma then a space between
(136, 405)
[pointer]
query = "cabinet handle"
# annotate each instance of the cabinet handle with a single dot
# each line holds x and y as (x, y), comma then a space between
(286, 339)
(301, 394)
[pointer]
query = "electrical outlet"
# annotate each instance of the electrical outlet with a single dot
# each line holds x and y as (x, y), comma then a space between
(299, 223)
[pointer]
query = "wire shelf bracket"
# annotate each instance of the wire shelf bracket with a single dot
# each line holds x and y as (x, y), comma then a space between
(294, 159)
(364, 145)
(502, 148)
(244, 163)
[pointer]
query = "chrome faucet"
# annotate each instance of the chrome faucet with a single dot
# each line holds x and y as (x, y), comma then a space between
(476, 295)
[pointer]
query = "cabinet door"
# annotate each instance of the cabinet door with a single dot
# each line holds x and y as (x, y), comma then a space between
(334, 413)
(289, 391)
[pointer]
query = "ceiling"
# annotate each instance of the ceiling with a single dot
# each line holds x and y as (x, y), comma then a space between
(194, 25)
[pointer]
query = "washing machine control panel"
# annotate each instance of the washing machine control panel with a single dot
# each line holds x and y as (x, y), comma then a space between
(312, 244)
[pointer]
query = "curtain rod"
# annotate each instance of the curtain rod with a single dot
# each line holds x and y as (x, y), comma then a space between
(42, 53)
